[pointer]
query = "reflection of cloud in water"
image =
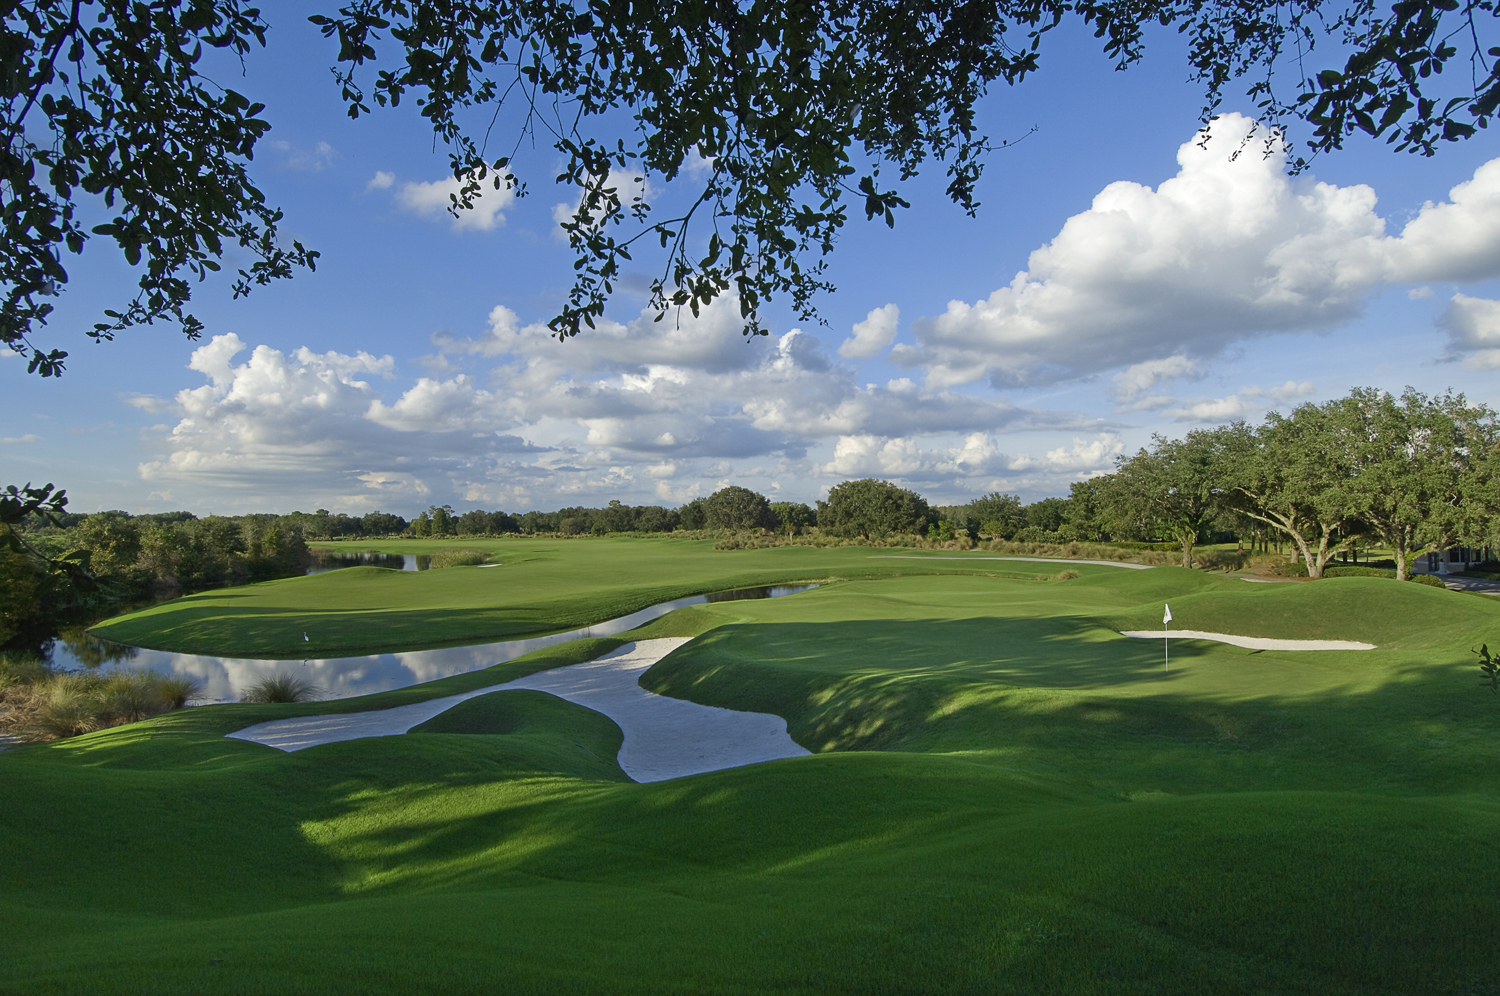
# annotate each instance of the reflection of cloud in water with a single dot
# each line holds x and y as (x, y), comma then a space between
(226, 679)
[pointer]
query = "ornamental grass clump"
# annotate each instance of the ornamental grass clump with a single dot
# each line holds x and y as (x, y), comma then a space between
(37, 703)
(283, 688)
(457, 557)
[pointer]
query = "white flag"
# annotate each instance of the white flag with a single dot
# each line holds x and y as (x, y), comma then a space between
(1168, 617)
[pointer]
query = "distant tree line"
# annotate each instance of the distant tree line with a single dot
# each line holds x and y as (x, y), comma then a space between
(54, 566)
(1410, 474)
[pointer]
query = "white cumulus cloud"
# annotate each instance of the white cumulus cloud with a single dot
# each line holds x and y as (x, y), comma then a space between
(313, 424)
(437, 197)
(1134, 381)
(1244, 402)
(1473, 325)
(313, 160)
(872, 335)
(1230, 247)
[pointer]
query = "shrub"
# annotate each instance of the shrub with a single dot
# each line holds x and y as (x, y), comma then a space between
(21, 668)
(1035, 534)
(1380, 572)
(283, 688)
(1361, 571)
(40, 704)
(1224, 560)
(1068, 575)
(123, 698)
(457, 556)
(178, 689)
(60, 708)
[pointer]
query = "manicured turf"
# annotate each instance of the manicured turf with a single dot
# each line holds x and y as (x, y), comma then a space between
(1008, 797)
(543, 586)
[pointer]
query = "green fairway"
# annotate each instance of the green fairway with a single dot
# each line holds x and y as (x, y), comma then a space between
(542, 586)
(1005, 796)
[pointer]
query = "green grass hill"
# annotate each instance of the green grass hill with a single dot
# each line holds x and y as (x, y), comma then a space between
(1005, 796)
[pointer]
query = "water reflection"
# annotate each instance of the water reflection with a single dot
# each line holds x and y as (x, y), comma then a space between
(225, 679)
(324, 561)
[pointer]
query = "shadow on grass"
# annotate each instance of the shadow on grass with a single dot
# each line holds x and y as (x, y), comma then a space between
(1067, 695)
(1046, 713)
(873, 685)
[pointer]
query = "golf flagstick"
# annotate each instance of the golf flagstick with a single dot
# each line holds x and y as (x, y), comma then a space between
(1166, 643)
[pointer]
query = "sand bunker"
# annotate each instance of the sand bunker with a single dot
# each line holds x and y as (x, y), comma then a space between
(664, 737)
(1248, 642)
(1036, 560)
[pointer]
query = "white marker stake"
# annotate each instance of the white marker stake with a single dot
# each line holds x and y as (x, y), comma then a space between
(1166, 643)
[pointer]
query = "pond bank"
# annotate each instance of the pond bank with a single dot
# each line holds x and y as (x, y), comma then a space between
(225, 679)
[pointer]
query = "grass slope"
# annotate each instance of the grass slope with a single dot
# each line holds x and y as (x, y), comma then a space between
(1046, 812)
(543, 586)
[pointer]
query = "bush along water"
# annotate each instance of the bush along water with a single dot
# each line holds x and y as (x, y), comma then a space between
(40, 703)
(457, 557)
(282, 687)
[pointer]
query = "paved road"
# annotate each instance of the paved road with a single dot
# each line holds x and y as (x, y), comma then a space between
(1457, 584)
(1472, 584)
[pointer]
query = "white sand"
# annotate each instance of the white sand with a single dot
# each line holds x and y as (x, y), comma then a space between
(664, 737)
(1036, 560)
(1248, 642)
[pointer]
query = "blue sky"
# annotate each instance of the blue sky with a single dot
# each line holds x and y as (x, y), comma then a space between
(1161, 287)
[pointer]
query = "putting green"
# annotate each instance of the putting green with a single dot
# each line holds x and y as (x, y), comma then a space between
(1008, 797)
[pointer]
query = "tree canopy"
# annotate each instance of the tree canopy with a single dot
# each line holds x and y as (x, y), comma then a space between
(1296, 476)
(792, 112)
(1179, 483)
(1419, 465)
(871, 507)
(735, 507)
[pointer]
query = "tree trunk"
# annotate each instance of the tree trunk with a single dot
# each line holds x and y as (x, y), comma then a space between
(1188, 539)
(1307, 558)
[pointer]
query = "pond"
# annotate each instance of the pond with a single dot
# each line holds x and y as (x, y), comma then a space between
(225, 679)
(324, 561)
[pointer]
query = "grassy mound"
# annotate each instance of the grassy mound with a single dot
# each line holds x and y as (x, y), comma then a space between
(581, 742)
(1008, 797)
(1395, 616)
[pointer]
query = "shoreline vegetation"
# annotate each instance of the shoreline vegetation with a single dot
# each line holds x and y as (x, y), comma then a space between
(38, 703)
